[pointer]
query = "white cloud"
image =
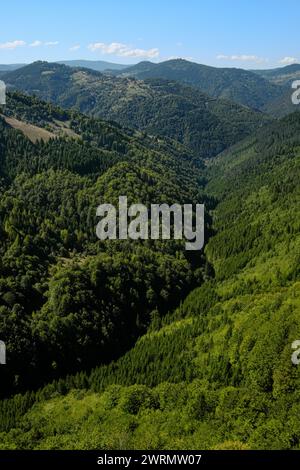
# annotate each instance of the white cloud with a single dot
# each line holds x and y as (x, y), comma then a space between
(40, 43)
(12, 44)
(51, 43)
(119, 49)
(288, 61)
(242, 58)
(75, 48)
(36, 44)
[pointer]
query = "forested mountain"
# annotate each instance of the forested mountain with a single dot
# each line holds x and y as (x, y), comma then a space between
(10, 67)
(67, 300)
(216, 371)
(98, 65)
(284, 77)
(238, 85)
(281, 75)
(159, 107)
(283, 105)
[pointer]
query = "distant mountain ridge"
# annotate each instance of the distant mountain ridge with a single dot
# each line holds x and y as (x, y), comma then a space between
(98, 65)
(281, 75)
(263, 90)
(10, 67)
(159, 107)
(238, 85)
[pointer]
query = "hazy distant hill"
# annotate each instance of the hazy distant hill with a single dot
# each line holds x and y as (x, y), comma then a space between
(98, 65)
(282, 75)
(160, 107)
(10, 67)
(144, 67)
(241, 86)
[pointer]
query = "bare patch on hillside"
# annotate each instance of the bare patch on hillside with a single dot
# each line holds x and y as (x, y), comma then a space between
(33, 133)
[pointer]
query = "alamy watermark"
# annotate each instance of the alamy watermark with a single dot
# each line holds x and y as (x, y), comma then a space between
(296, 93)
(2, 92)
(161, 221)
(2, 353)
(296, 353)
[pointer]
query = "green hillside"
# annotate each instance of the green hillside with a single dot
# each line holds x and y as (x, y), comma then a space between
(98, 65)
(284, 77)
(67, 300)
(282, 106)
(238, 85)
(159, 107)
(215, 372)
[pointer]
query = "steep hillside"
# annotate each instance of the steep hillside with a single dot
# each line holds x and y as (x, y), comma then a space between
(217, 372)
(68, 300)
(33, 133)
(238, 85)
(283, 76)
(159, 107)
(283, 105)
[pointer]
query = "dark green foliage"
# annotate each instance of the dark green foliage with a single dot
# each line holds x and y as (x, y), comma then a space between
(67, 300)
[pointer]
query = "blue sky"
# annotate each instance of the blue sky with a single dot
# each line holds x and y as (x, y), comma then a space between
(237, 33)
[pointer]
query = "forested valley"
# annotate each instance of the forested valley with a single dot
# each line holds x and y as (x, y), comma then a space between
(141, 344)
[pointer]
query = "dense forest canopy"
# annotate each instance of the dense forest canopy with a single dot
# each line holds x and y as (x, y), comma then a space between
(69, 301)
